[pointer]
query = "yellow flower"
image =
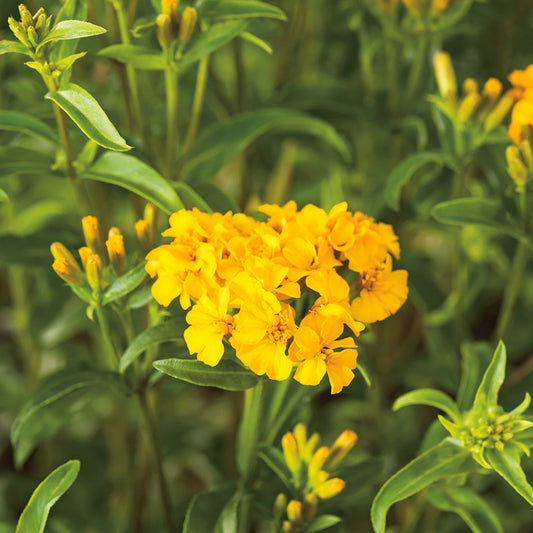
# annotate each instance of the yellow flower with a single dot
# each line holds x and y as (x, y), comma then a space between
(209, 324)
(314, 345)
(383, 292)
(522, 116)
(303, 257)
(262, 328)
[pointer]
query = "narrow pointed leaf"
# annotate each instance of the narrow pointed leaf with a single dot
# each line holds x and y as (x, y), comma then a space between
(125, 284)
(137, 56)
(260, 43)
(128, 172)
(220, 9)
(507, 464)
(3, 196)
(7, 47)
(71, 29)
(432, 397)
(323, 522)
(475, 512)
(229, 517)
(169, 330)
(86, 112)
(191, 198)
(441, 461)
(475, 357)
(226, 375)
(487, 393)
(25, 123)
(33, 518)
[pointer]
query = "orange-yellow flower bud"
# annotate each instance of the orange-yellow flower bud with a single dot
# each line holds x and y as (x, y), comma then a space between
(329, 488)
(84, 252)
(170, 8)
(116, 253)
(468, 106)
(309, 506)
(470, 86)
(492, 89)
(316, 464)
(500, 110)
(25, 16)
(344, 443)
(300, 434)
(69, 272)
(290, 452)
(91, 232)
(280, 504)
(439, 6)
(144, 239)
(60, 251)
(187, 24)
(445, 75)
(287, 527)
(94, 271)
(516, 167)
(294, 512)
(164, 30)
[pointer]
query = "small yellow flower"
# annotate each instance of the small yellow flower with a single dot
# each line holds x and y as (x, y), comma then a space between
(116, 253)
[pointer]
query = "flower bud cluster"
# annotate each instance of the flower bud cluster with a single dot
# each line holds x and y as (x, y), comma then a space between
(310, 465)
(172, 25)
(416, 8)
(30, 30)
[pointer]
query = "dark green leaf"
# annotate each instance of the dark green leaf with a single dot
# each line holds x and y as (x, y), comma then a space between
(475, 356)
(214, 38)
(33, 518)
(487, 393)
(441, 461)
(169, 330)
(507, 464)
(476, 513)
(222, 142)
(86, 112)
(323, 522)
(20, 160)
(220, 9)
(58, 392)
(432, 397)
(18, 121)
(136, 56)
(406, 170)
(215, 197)
(140, 297)
(125, 284)
(7, 47)
(226, 375)
(190, 198)
(128, 172)
(273, 457)
(71, 29)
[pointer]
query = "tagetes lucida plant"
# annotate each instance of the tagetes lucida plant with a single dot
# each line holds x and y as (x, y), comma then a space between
(241, 279)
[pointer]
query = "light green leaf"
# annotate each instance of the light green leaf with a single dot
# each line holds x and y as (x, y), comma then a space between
(71, 29)
(487, 393)
(167, 331)
(229, 517)
(441, 461)
(125, 284)
(475, 512)
(212, 39)
(86, 112)
(273, 457)
(226, 375)
(406, 170)
(475, 356)
(54, 403)
(323, 522)
(3, 196)
(220, 9)
(128, 172)
(432, 397)
(507, 464)
(19, 121)
(222, 142)
(137, 56)
(191, 198)
(33, 518)
(7, 47)
(20, 160)
(256, 41)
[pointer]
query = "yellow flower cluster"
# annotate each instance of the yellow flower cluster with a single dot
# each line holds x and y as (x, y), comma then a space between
(243, 276)
(417, 8)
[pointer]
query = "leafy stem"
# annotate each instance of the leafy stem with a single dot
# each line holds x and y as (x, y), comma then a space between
(171, 90)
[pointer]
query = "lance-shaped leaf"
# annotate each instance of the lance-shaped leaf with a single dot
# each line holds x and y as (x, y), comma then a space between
(228, 519)
(33, 518)
(191, 198)
(475, 512)
(324, 521)
(432, 397)
(507, 463)
(71, 29)
(20, 160)
(221, 143)
(3, 196)
(128, 172)
(54, 403)
(7, 47)
(220, 9)
(475, 357)
(86, 112)
(169, 330)
(137, 56)
(445, 459)
(487, 393)
(125, 284)
(226, 375)
(25, 123)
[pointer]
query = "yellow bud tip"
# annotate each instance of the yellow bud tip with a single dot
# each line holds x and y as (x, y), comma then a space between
(91, 232)
(294, 512)
(164, 30)
(25, 16)
(94, 271)
(116, 252)
(187, 24)
(470, 86)
(84, 253)
(492, 88)
(68, 271)
(330, 488)
(170, 8)
(445, 76)
(142, 230)
(290, 452)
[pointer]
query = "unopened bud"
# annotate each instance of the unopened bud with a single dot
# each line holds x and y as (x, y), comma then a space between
(316, 464)
(32, 36)
(439, 6)
(329, 488)
(84, 252)
(116, 253)
(290, 452)
(143, 235)
(527, 154)
(515, 166)
(300, 434)
(18, 31)
(94, 271)
(294, 512)
(500, 111)
(69, 272)
(415, 6)
(187, 24)
(287, 527)
(91, 232)
(310, 447)
(164, 30)
(470, 86)
(280, 504)
(344, 443)
(468, 106)
(492, 89)
(171, 8)
(25, 16)
(60, 251)
(445, 76)
(40, 23)
(309, 506)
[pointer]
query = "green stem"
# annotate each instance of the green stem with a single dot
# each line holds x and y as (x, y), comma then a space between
(171, 89)
(513, 289)
(391, 60)
(418, 66)
(111, 356)
(151, 435)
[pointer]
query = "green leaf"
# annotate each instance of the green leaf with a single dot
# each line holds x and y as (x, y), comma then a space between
(3, 196)
(125, 284)
(475, 512)
(226, 375)
(406, 170)
(20, 160)
(137, 56)
(481, 211)
(432, 397)
(229, 517)
(191, 198)
(475, 356)
(212, 39)
(71, 29)
(487, 393)
(7, 47)
(507, 464)
(323, 522)
(445, 459)
(86, 112)
(167, 331)
(18, 121)
(273, 457)
(53, 404)
(33, 518)
(204, 509)
(215, 197)
(238, 9)
(128, 172)
(222, 142)
(256, 41)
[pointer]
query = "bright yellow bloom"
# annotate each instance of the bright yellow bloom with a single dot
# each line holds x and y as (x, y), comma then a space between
(209, 324)
(522, 118)
(383, 292)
